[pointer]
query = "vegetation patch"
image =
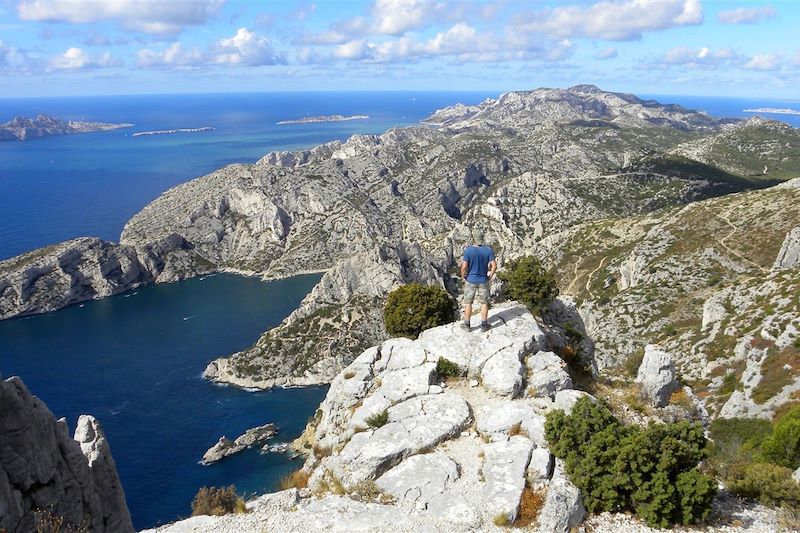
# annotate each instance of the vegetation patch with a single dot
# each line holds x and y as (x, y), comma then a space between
(529, 283)
(778, 370)
(447, 369)
(783, 446)
(217, 501)
(295, 480)
(378, 419)
(651, 471)
(530, 504)
(413, 308)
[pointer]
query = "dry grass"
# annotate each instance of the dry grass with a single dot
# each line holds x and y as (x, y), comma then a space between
(295, 480)
(774, 377)
(681, 399)
(349, 374)
(516, 429)
(530, 504)
(321, 452)
(368, 491)
(49, 522)
(217, 501)
(501, 520)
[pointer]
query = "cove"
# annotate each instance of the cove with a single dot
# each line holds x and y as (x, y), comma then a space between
(135, 361)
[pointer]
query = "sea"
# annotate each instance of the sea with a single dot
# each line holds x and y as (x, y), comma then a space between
(135, 360)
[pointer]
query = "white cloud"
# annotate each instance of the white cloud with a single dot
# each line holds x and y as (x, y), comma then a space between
(357, 49)
(697, 57)
(246, 48)
(619, 20)
(459, 39)
(395, 17)
(77, 59)
(148, 16)
(746, 15)
(763, 62)
(11, 57)
(606, 53)
(172, 56)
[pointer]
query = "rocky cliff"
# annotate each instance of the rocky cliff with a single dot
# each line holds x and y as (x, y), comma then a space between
(48, 478)
(87, 269)
(533, 168)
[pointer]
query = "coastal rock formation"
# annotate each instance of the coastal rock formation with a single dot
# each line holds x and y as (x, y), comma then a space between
(88, 269)
(22, 128)
(440, 455)
(627, 200)
(225, 446)
(46, 474)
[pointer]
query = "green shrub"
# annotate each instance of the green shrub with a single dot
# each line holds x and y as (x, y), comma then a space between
(413, 308)
(378, 419)
(652, 471)
(446, 368)
(529, 283)
(738, 440)
(783, 446)
(217, 501)
(770, 484)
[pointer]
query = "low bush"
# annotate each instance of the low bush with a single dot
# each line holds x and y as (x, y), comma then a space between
(217, 501)
(768, 483)
(447, 369)
(378, 419)
(529, 283)
(651, 471)
(783, 446)
(295, 480)
(413, 308)
(737, 440)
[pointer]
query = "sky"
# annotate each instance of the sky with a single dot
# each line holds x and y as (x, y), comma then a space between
(680, 47)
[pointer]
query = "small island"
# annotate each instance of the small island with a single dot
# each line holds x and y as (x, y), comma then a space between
(324, 118)
(22, 129)
(167, 132)
(773, 110)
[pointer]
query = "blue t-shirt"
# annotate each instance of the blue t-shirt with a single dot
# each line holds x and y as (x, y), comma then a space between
(478, 259)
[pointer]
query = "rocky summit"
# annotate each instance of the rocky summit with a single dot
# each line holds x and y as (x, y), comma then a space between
(395, 446)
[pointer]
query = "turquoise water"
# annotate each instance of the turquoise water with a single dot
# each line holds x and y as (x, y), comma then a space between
(135, 361)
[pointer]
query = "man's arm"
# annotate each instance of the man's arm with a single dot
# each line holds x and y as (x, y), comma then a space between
(492, 268)
(464, 268)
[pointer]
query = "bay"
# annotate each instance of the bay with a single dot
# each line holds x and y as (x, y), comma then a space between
(135, 361)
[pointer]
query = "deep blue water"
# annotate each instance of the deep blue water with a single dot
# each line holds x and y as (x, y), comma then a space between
(733, 107)
(58, 188)
(135, 361)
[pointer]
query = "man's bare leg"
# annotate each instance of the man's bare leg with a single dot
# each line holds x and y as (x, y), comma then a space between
(484, 312)
(467, 312)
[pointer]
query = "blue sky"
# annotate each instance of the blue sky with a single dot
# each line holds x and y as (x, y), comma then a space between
(695, 47)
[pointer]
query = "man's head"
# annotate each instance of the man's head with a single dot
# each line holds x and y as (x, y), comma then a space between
(477, 236)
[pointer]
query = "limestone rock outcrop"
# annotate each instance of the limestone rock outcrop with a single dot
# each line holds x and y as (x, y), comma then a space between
(656, 376)
(44, 471)
(395, 447)
(225, 446)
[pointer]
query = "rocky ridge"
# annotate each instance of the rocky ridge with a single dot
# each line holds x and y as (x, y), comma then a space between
(537, 169)
(46, 474)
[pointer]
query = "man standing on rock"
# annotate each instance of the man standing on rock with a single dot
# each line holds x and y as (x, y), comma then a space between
(477, 269)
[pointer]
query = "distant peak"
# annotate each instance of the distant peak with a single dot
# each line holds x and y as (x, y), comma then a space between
(586, 88)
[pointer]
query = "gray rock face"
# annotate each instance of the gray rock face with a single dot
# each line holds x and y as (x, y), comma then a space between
(789, 255)
(87, 269)
(563, 507)
(225, 446)
(796, 475)
(42, 468)
(419, 479)
(656, 376)
(566, 399)
(547, 375)
(504, 468)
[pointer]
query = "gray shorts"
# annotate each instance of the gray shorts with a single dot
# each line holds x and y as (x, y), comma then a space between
(476, 292)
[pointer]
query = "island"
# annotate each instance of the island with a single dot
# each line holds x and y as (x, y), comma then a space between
(21, 128)
(324, 118)
(167, 132)
(774, 110)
